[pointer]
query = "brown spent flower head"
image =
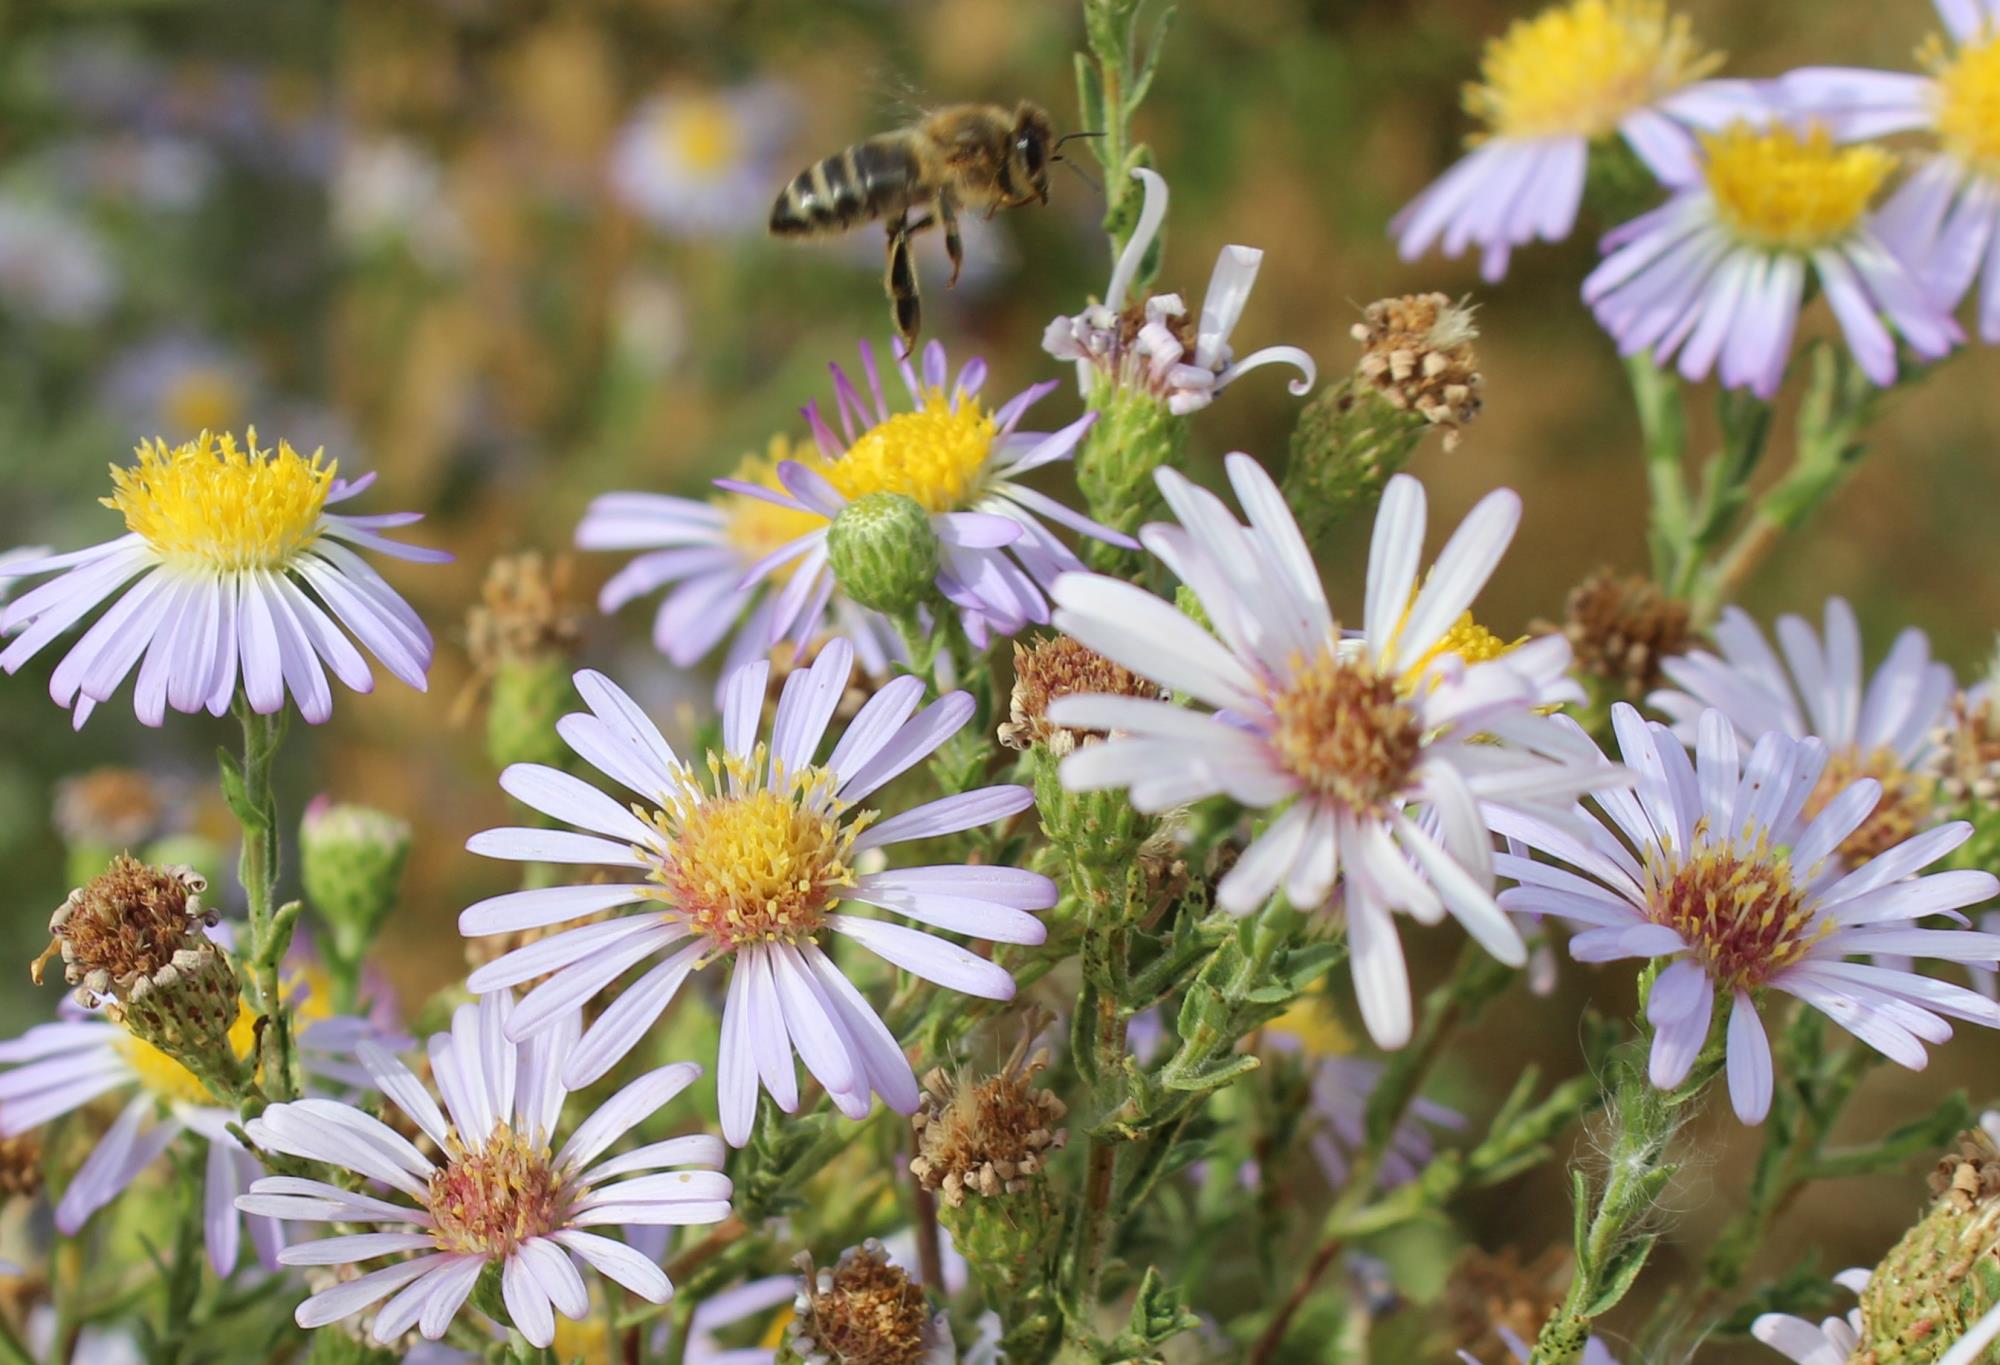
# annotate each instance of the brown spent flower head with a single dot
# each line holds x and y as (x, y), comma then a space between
(1620, 627)
(1058, 666)
(787, 659)
(1417, 354)
(525, 613)
(129, 929)
(986, 1137)
(864, 1311)
(1489, 1291)
(109, 807)
(1964, 759)
(1969, 1174)
(20, 1165)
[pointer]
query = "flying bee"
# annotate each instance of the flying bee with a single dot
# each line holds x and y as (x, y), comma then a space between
(964, 156)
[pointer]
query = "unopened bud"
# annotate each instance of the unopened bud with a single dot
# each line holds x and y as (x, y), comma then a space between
(351, 863)
(132, 938)
(1938, 1280)
(522, 637)
(1135, 436)
(1417, 371)
(883, 552)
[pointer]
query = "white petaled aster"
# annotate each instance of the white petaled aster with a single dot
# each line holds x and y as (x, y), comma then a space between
(1831, 1341)
(1376, 754)
(702, 164)
(962, 464)
(57, 1068)
(505, 1193)
(1944, 220)
(1146, 348)
(232, 576)
(1713, 865)
(754, 868)
(1341, 1087)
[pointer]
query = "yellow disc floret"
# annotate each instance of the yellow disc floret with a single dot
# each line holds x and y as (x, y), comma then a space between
(211, 504)
(757, 527)
(934, 455)
(755, 863)
(204, 398)
(1467, 639)
(1776, 188)
(1579, 69)
(1968, 100)
(701, 133)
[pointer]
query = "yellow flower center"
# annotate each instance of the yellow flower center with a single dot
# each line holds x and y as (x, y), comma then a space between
(1778, 189)
(203, 398)
(490, 1201)
(701, 133)
(1968, 100)
(757, 527)
(764, 866)
(587, 1340)
(1908, 806)
(934, 455)
(173, 1083)
(210, 504)
(1469, 640)
(1580, 68)
(1344, 730)
(1742, 915)
(1312, 1021)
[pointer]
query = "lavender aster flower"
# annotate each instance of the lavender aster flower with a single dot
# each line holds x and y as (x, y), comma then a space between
(1831, 1341)
(221, 546)
(1717, 273)
(752, 871)
(1350, 741)
(504, 1194)
(960, 463)
(1549, 87)
(1149, 347)
(1714, 866)
(1884, 731)
(1942, 221)
(702, 165)
(701, 550)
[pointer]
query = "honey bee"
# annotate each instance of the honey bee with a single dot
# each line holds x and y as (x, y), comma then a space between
(964, 156)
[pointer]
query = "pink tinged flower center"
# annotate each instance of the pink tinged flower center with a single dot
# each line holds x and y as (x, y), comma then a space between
(1968, 100)
(487, 1203)
(1742, 915)
(1343, 730)
(761, 863)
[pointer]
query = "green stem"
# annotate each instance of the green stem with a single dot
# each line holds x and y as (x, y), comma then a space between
(270, 925)
(12, 1352)
(1663, 430)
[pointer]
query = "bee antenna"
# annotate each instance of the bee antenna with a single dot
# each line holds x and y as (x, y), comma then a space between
(1082, 174)
(1055, 152)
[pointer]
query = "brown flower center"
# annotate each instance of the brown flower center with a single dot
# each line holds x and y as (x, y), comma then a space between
(126, 923)
(864, 1311)
(1344, 732)
(1741, 915)
(490, 1201)
(988, 1137)
(1059, 666)
(1620, 627)
(1907, 807)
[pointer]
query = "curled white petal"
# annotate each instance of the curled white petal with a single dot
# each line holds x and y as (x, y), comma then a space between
(1276, 355)
(1151, 214)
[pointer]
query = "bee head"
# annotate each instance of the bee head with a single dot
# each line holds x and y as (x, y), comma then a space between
(1034, 136)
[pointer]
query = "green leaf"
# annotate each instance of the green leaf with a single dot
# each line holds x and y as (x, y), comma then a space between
(248, 814)
(1618, 1275)
(1142, 78)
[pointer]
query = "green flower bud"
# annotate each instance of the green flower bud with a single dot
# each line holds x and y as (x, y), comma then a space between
(526, 698)
(351, 863)
(1134, 437)
(521, 637)
(1416, 371)
(884, 552)
(1943, 1275)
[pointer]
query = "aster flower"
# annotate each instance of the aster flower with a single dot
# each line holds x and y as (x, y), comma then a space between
(752, 869)
(701, 551)
(958, 461)
(1341, 1087)
(180, 384)
(504, 1195)
(222, 543)
(1350, 742)
(57, 1068)
(1549, 87)
(1150, 347)
(1720, 871)
(1883, 731)
(1941, 222)
(1831, 1341)
(702, 164)
(1717, 273)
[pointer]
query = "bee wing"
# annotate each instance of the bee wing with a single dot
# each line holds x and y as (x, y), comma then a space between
(895, 100)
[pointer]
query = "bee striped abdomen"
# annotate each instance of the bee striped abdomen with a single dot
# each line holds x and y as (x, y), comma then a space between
(869, 180)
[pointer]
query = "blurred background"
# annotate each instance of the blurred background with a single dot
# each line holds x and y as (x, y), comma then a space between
(509, 255)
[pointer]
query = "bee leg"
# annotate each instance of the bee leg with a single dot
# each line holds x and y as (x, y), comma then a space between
(947, 212)
(900, 281)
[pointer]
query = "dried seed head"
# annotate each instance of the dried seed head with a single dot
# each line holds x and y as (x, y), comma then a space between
(1968, 1175)
(109, 808)
(1058, 666)
(1487, 1292)
(864, 1311)
(20, 1165)
(986, 1137)
(1964, 759)
(1620, 627)
(1417, 354)
(524, 613)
